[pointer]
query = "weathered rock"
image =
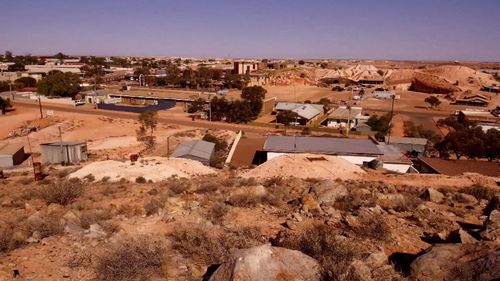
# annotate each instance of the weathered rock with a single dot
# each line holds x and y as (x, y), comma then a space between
(328, 191)
(432, 195)
(446, 262)
(267, 263)
(461, 236)
(492, 231)
(376, 259)
(361, 270)
(466, 198)
(95, 231)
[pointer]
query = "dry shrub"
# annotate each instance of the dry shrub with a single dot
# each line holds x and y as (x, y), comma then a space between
(217, 212)
(207, 187)
(89, 178)
(374, 227)
(61, 192)
(178, 185)
(209, 247)
(152, 206)
(110, 226)
(134, 259)
(94, 216)
(320, 242)
(228, 182)
(46, 226)
(63, 173)
(25, 181)
(129, 210)
(140, 180)
(247, 182)
(354, 200)
(244, 200)
(274, 181)
(479, 191)
(10, 240)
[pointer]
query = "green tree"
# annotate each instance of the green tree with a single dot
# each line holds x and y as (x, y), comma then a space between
(302, 62)
(4, 104)
(413, 131)
(8, 55)
(196, 105)
(239, 112)
(59, 84)
(60, 56)
(25, 82)
(433, 101)
(16, 67)
(148, 120)
(236, 81)
(286, 117)
(219, 108)
(381, 125)
(254, 95)
(220, 144)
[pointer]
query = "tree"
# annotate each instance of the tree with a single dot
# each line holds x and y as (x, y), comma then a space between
(219, 108)
(286, 117)
(239, 112)
(60, 56)
(254, 95)
(326, 104)
(148, 120)
(433, 101)
(196, 105)
(219, 144)
(8, 55)
(25, 82)
(236, 81)
(16, 67)
(60, 84)
(4, 104)
(381, 125)
(413, 131)
(302, 62)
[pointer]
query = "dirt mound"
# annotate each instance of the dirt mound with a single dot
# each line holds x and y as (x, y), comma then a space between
(462, 76)
(151, 168)
(354, 73)
(427, 83)
(306, 166)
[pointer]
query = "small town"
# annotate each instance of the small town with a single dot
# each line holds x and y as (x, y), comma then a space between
(261, 164)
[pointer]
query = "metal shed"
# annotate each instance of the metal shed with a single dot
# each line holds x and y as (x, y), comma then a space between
(63, 152)
(198, 150)
(11, 155)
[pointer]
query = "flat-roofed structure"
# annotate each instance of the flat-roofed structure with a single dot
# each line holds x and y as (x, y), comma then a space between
(393, 159)
(340, 117)
(355, 151)
(153, 96)
(198, 150)
(415, 146)
(306, 112)
(11, 155)
(458, 167)
(69, 152)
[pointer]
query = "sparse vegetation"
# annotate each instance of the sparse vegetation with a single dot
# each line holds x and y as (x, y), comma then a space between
(136, 259)
(479, 191)
(140, 179)
(61, 192)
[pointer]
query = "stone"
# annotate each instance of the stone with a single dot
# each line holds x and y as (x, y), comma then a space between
(492, 231)
(267, 263)
(466, 198)
(376, 259)
(292, 225)
(430, 194)
(361, 270)
(95, 231)
(326, 192)
(447, 262)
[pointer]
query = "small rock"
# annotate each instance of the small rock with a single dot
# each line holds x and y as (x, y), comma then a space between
(432, 195)
(492, 231)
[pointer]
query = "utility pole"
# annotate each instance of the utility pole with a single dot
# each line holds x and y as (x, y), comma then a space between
(61, 144)
(40, 105)
(390, 119)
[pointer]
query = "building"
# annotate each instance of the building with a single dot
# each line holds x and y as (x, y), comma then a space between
(244, 67)
(340, 117)
(414, 146)
(63, 152)
(472, 99)
(198, 150)
(458, 167)
(479, 116)
(356, 151)
(393, 160)
(385, 95)
(306, 112)
(11, 155)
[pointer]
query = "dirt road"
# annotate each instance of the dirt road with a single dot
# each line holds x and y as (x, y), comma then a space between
(162, 119)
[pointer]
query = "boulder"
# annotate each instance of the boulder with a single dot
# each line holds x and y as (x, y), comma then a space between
(309, 205)
(492, 231)
(328, 191)
(430, 194)
(447, 262)
(267, 263)
(466, 198)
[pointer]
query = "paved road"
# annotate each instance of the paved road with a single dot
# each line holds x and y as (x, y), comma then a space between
(161, 119)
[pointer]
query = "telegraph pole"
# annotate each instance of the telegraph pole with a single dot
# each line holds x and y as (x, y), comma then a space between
(40, 105)
(390, 119)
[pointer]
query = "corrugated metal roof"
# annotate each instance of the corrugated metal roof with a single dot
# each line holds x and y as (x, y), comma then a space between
(404, 140)
(343, 113)
(304, 110)
(392, 154)
(332, 146)
(10, 149)
(64, 143)
(198, 148)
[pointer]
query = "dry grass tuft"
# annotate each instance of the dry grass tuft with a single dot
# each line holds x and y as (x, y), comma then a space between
(61, 192)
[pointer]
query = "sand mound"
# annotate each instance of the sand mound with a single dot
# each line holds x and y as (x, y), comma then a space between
(151, 168)
(302, 166)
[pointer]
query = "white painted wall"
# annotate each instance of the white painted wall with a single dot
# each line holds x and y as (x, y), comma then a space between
(398, 168)
(358, 160)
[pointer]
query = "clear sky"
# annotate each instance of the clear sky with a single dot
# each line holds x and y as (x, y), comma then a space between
(371, 29)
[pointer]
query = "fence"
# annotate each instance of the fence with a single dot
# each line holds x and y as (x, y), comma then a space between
(161, 106)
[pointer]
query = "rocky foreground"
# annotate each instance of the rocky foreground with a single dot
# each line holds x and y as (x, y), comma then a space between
(223, 227)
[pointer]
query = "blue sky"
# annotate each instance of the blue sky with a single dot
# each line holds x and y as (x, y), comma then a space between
(371, 29)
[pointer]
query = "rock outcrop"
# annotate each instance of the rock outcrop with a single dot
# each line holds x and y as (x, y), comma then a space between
(267, 263)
